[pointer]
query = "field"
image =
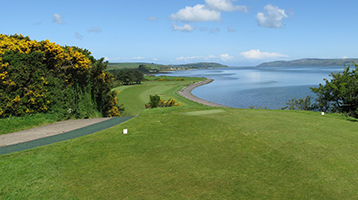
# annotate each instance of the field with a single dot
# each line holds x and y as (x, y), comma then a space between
(193, 152)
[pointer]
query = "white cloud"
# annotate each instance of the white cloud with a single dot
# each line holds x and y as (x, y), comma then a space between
(78, 36)
(211, 56)
(136, 58)
(106, 58)
(345, 57)
(57, 19)
(198, 13)
(127, 59)
(185, 28)
(214, 30)
(94, 29)
(225, 5)
(230, 29)
(225, 57)
(272, 18)
(155, 59)
(257, 54)
(152, 18)
(195, 58)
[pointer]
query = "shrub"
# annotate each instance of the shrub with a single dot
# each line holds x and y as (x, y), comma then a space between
(155, 101)
(39, 77)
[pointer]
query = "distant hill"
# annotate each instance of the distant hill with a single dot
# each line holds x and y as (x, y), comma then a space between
(201, 65)
(309, 62)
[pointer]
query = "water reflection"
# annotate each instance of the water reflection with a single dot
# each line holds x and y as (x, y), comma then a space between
(269, 87)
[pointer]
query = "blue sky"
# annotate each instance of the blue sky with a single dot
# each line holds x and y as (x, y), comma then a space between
(235, 33)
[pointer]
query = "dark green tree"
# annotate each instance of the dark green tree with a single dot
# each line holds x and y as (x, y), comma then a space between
(144, 68)
(138, 76)
(299, 104)
(340, 93)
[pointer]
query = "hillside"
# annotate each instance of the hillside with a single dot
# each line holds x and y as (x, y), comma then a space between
(309, 62)
(201, 65)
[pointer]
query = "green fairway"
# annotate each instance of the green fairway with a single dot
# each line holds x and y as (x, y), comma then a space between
(134, 97)
(194, 152)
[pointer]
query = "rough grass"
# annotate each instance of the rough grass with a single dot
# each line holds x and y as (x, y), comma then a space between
(167, 154)
(13, 124)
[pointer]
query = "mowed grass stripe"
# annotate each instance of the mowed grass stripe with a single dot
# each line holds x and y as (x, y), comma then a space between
(135, 97)
(167, 154)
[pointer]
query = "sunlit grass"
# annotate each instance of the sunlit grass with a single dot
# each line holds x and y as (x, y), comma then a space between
(168, 154)
(134, 97)
(194, 152)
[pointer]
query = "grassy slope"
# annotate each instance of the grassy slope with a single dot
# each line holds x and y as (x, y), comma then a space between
(135, 97)
(195, 152)
(13, 124)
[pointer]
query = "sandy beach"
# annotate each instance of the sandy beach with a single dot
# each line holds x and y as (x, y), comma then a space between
(186, 92)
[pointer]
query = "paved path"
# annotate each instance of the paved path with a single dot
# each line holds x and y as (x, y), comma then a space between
(56, 132)
(47, 130)
(186, 92)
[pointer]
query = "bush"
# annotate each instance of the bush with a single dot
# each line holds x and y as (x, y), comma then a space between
(155, 101)
(40, 77)
(300, 104)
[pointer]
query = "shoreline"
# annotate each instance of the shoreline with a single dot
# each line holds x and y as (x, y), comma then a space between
(186, 93)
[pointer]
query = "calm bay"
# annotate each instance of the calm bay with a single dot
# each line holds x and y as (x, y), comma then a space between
(271, 87)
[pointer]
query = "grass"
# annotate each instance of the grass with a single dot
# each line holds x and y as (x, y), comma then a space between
(14, 124)
(134, 97)
(194, 152)
(171, 154)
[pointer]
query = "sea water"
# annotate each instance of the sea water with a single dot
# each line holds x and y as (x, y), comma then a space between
(271, 87)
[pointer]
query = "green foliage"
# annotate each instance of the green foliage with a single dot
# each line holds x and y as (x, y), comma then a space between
(340, 94)
(26, 90)
(299, 104)
(127, 76)
(155, 101)
(41, 77)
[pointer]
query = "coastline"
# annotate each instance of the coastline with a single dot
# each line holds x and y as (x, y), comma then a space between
(186, 93)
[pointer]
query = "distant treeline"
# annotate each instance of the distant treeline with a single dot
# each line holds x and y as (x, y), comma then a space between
(156, 67)
(130, 76)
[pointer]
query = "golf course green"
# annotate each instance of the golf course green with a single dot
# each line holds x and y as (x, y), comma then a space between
(193, 152)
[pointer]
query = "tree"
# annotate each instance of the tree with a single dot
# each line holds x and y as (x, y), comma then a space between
(139, 76)
(299, 104)
(144, 68)
(339, 94)
(125, 76)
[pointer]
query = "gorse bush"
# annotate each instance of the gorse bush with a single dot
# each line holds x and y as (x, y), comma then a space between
(155, 101)
(40, 77)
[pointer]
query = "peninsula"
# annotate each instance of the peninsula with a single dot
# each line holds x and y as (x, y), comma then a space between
(309, 62)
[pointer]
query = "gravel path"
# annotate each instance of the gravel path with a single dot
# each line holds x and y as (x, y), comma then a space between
(186, 92)
(46, 131)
